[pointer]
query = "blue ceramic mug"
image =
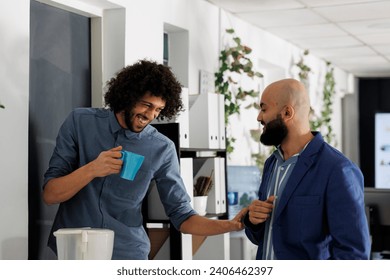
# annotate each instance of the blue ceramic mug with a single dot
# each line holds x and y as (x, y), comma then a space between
(131, 164)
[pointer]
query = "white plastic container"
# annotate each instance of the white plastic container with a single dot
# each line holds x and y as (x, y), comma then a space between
(84, 243)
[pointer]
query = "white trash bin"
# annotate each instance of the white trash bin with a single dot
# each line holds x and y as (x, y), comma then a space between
(84, 243)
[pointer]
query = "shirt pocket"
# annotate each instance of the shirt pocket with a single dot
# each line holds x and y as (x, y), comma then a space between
(133, 191)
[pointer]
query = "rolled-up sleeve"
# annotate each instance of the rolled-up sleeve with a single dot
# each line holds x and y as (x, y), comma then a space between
(65, 154)
(172, 191)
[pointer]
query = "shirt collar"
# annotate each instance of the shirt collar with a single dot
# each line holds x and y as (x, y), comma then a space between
(114, 125)
(137, 135)
(279, 153)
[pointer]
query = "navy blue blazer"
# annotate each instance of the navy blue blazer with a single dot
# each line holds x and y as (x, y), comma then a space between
(321, 213)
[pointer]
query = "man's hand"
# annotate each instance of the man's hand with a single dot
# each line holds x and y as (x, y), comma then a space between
(259, 210)
(238, 220)
(108, 162)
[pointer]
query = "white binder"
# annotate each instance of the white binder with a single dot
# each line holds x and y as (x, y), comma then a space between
(205, 121)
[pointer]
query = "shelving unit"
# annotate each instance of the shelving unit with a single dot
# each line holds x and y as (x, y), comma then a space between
(199, 137)
(166, 241)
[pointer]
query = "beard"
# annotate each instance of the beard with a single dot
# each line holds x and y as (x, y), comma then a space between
(127, 117)
(135, 122)
(274, 133)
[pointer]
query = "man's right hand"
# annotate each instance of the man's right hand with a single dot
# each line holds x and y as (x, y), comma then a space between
(259, 211)
(108, 162)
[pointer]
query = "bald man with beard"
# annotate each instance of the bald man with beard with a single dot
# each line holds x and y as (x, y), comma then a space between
(311, 198)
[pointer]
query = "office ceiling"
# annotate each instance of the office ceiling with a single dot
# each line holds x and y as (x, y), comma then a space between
(353, 35)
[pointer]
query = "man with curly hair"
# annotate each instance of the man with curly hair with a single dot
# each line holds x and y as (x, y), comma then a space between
(83, 174)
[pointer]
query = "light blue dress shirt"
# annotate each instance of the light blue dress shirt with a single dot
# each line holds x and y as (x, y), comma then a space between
(112, 202)
(279, 179)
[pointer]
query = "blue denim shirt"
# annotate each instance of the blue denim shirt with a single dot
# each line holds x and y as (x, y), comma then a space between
(112, 202)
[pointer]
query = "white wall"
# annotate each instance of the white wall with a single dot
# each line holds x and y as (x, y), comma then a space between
(275, 59)
(14, 80)
(144, 26)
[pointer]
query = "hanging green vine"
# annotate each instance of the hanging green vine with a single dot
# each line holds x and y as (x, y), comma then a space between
(234, 60)
(303, 74)
(324, 121)
(304, 70)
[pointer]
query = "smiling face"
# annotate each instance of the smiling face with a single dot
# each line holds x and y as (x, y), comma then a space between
(143, 113)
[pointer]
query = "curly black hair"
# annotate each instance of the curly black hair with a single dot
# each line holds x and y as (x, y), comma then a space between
(132, 82)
